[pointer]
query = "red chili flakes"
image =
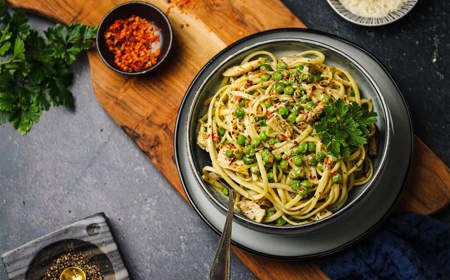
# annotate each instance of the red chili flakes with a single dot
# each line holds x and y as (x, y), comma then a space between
(248, 84)
(207, 101)
(132, 41)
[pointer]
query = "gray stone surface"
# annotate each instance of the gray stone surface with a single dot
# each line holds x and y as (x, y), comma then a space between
(72, 165)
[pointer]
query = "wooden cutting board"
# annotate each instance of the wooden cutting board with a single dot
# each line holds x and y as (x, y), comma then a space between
(146, 108)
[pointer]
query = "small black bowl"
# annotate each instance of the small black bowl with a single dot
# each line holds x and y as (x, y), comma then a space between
(144, 10)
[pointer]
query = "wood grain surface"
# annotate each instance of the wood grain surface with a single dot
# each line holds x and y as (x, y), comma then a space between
(146, 108)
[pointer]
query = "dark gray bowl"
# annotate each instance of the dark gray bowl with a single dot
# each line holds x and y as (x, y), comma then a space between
(144, 10)
(367, 207)
(199, 158)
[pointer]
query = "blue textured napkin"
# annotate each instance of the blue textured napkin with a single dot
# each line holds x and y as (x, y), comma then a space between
(407, 247)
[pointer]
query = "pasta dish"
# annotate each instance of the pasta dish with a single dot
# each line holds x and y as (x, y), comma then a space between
(291, 136)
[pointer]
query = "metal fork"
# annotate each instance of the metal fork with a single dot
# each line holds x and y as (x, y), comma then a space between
(220, 268)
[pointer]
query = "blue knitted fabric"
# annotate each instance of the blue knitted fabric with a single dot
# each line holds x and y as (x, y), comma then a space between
(407, 247)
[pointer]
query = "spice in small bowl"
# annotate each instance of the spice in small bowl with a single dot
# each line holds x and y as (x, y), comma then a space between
(134, 38)
(135, 43)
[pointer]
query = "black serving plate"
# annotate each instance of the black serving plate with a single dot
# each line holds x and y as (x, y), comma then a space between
(366, 207)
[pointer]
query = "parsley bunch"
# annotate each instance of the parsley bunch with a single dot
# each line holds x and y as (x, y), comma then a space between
(344, 127)
(34, 70)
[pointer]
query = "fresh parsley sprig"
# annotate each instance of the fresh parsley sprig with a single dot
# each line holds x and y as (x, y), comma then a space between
(34, 69)
(343, 127)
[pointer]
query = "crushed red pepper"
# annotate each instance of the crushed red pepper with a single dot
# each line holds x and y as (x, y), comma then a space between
(134, 43)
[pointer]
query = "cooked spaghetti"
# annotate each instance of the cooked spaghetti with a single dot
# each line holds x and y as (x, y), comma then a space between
(290, 135)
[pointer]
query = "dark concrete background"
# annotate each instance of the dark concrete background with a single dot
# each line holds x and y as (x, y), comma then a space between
(72, 165)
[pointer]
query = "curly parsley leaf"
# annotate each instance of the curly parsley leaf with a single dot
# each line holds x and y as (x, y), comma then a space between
(35, 70)
(343, 127)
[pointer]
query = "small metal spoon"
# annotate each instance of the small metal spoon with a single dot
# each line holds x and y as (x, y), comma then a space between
(220, 268)
(72, 273)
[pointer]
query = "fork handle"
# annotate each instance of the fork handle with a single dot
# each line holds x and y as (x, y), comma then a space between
(220, 268)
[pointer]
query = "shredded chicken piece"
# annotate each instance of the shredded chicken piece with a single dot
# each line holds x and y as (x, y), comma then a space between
(251, 210)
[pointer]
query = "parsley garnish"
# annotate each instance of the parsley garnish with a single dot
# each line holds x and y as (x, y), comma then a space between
(343, 127)
(34, 70)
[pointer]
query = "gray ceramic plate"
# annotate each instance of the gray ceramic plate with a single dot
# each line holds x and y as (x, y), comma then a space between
(345, 228)
(393, 16)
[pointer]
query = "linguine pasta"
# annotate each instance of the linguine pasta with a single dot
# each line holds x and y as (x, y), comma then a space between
(259, 133)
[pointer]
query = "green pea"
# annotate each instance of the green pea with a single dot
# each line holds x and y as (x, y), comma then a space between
(265, 77)
(320, 156)
(277, 76)
(225, 191)
(313, 161)
(311, 147)
(304, 98)
(320, 166)
(291, 118)
(238, 154)
(254, 169)
(267, 104)
(279, 88)
(337, 178)
(280, 221)
(303, 191)
(270, 175)
(307, 184)
(267, 156)
(302, 148)
(250, 150)
(241, 140)
(227, 142)
(299, 68)
(240, 113)
(297, 109)
(247, 160)
(281, 65)
(270, 212)
(262, 135)
(296, 173)
(273, 141)
(288, 90)
(298, 160)
(256, 141)
(326, 99)
(284, 164)
(309, 106)
(221, 131)
(283, 111)
(285, 82)
(229, 153)
(277, 155)
(295, 185)
(264, 67)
